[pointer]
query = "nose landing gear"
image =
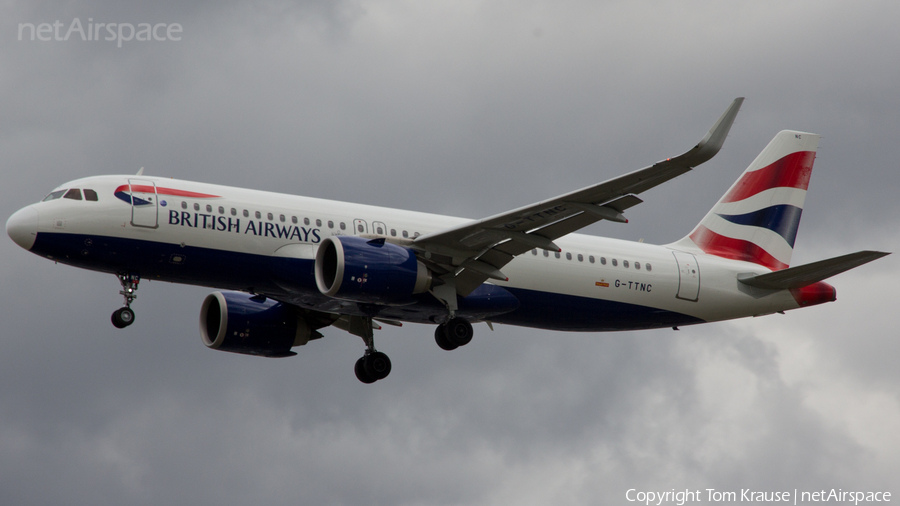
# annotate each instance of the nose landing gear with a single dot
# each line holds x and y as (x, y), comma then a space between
(124, 316)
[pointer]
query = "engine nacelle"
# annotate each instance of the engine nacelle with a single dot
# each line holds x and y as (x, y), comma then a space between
(371, 271)
(252, 325)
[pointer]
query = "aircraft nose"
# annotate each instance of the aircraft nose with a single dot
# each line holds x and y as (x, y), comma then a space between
(22, 226)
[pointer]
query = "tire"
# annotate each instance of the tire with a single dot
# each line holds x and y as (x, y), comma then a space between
(377, 365)
(360, 370)
(122, 317)
(459, 332)
(440, 337)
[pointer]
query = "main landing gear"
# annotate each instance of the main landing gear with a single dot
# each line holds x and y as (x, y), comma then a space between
(453, 334)
(374, 365)
(124, 316)
(456, 331)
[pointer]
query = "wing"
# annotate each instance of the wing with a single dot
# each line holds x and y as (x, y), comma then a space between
(469, 254)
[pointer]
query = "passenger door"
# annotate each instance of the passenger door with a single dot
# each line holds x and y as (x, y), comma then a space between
(143, 203)
(688, 276)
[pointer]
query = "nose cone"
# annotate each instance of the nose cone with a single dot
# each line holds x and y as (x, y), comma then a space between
(22, 226)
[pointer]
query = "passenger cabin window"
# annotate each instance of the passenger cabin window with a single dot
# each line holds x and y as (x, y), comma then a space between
(557, 254)
(637, 265)
(378, 230)
(294, 220)
(258, 215)
(246, 213)
(602, 260)
(614, 262)
(568, 256)
(546, 253)
(649, 268)
(233, 211)
(306, 221)
(393, 232)
(591, 259)
(343, 226)
(90, 195)
(625, 263)
(54, 195)
(221, 210)
(196, 206)
(330, 224)
(319, 224)
(282, 218)
(183, 204)
(405, 234)
(269, 216)
(580, 257)
(74, 194)
(208, 208)
(534, 252)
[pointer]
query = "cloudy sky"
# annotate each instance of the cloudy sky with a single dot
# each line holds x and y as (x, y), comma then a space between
(464, 108)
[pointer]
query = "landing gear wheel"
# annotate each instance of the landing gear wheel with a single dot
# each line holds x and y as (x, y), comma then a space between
(122, 317)
(459, 332)
(377, 365)
(373, 365)
(360, 370)
(440, 337)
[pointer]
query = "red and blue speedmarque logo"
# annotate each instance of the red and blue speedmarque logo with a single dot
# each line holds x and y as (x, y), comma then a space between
(139, 195)
(127, 193)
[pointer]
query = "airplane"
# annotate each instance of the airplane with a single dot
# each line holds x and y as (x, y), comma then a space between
(288, 266)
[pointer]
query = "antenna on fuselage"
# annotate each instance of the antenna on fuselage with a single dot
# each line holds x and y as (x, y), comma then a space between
(140, 172)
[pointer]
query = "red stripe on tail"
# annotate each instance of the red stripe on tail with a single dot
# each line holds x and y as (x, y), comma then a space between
(792, 171)
(735, 249)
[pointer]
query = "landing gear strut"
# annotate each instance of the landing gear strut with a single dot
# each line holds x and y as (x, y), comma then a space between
(124, 316)
(453, 334)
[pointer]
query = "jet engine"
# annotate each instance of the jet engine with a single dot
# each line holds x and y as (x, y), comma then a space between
(252, 325)
(369, 270)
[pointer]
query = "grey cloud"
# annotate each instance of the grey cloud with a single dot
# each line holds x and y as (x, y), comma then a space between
(465, 110)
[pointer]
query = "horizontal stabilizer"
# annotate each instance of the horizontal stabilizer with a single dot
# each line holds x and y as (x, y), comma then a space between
(805, 275)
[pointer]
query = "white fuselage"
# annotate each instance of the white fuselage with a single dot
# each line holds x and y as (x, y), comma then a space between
(223, 237)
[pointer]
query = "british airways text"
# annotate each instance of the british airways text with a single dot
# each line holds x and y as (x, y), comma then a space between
(257, 228)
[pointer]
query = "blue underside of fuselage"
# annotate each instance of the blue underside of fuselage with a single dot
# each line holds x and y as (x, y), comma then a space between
(293, 280)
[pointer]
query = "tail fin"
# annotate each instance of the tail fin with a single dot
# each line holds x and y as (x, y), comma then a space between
(757, 218)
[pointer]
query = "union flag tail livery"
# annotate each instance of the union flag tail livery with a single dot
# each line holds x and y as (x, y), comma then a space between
(287, 266)
(757, 218)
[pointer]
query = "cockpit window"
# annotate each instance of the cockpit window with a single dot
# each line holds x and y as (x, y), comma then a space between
(90, 195)
(54, 195)
(74, 194)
